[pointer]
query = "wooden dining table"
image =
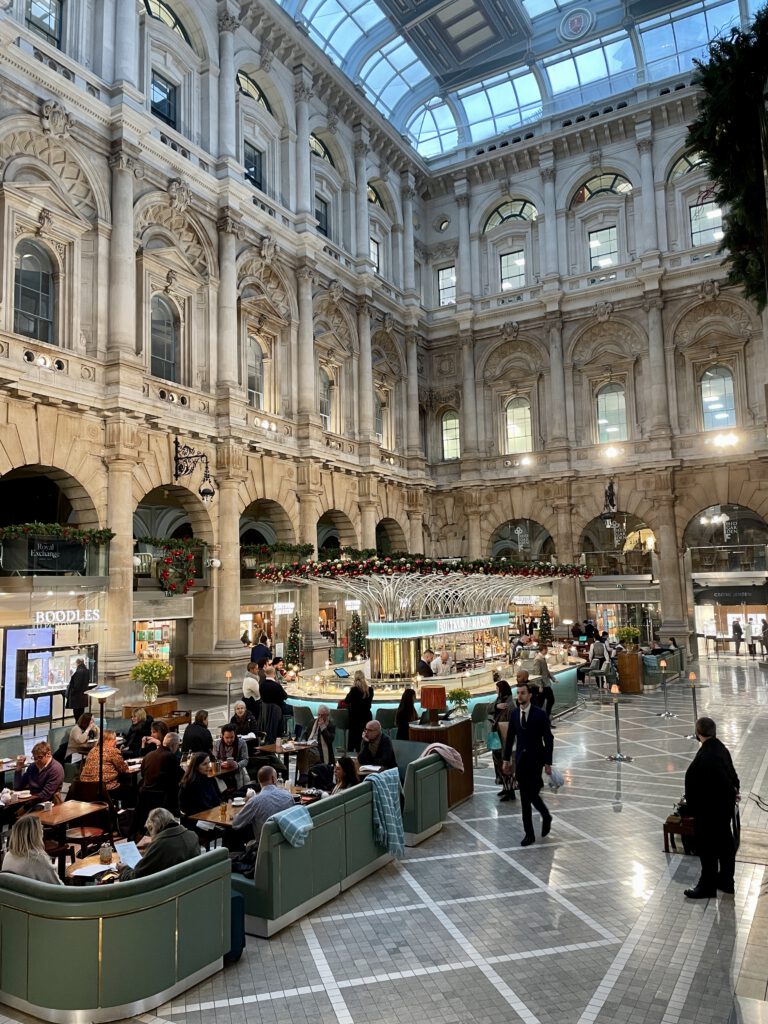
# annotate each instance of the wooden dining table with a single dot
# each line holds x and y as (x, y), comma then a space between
(61, 815)
(225, 813)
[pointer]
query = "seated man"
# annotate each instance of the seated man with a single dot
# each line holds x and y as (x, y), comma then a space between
(43, 778)
(197, 736)
(376, 748)
(271, 799)
(171, 844)
(161, 774)
(172, 742)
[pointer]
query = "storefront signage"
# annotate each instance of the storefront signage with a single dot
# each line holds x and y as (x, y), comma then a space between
(67, 615)
(352, 606)
(732, 595)
(436, 627)
(43, 554)
(283, 608)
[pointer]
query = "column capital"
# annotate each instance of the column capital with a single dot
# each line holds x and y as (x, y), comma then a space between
(306, 272)
(121, 161)
(462, 200)
(362, 149)
(408, 193)
(364, 307)
(228, 23)
(228, 224)
(653, 304)
(231, 464)
(302, 93)
(547, 174)
(644, 146)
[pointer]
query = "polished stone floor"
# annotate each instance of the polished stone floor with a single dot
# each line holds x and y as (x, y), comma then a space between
(588, 925)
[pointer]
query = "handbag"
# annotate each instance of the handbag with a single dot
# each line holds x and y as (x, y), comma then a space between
(556, 779)
(494, 741)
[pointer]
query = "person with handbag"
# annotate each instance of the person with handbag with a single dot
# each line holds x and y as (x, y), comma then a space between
(500, 711)
(711, 796)
(531, 737)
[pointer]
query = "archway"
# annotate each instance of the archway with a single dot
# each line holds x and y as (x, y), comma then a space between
(727, 538)
(334, 531)
(266, 522)
(168, 512)
(620, 545)
(43, 494)
(389, 537)
(522, 540)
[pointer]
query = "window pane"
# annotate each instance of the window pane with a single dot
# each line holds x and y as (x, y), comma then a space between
(446, 286)
(603, 248)
(706, 224)
(718, 404)
(519, 430)
(373, 252)
(326, 405)
(512, 270)
(255, 374)
(164, 339)
(451, 436)
(163, 99)
(378, 416)
(253, 160)
(34, 293)
(44, 18)
(611, 414)
(321, 216)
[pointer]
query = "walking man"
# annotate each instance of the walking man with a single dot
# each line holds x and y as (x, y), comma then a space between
(711, 793)
(530, 735)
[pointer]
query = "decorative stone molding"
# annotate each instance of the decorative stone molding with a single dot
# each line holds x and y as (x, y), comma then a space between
(386, 344)
(120, 161)
(332, 122)
(49, 151)
(229, 225)
(709, 290)
(54, 120)
(306, 273)
(362, 149)
(388, 324)
(262, 273)
(228, 23)
(268, 249)
(462, 200)
(303, 93)
(408, 194)
(644, 146)
(603, 342)
(177, 225)
(722, 309)
(445, 365)
(547, 174)
(602, 311)
(436, 398)
(44, 222)
(525, 357)
(444, 251)
(510, 330)
(170, 281)
(179, 195)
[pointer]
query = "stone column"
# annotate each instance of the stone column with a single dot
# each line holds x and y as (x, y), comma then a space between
(126, 42)
(362, 247)
(227, 135)
(226, 327)
(650, 233)
(474, 536)
(368, 524)
(464, 268)
(397, 255)
(567, 588)
(302, 95)
(306, 359)
(413, 440)
(416, 533)
(227, 578)
(122, 260)
(468, 397)
(657, 366)
(557, 426)
(364, 372)
(408, 193)
(674, 619)
(550, 222)
(122, 443)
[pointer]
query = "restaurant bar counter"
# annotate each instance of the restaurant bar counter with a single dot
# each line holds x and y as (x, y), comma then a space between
(96, 953)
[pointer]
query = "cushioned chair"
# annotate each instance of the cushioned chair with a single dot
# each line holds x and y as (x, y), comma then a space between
(480, 727)
(340, 718)
(303, 716)
(386, 716)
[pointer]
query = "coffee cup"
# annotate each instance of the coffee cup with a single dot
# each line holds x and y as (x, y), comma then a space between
(47, 805)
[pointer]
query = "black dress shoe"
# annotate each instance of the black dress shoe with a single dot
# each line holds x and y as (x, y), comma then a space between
(528, 840)
(508, 796)
(546, 826)
(725, 886)
(699, 894)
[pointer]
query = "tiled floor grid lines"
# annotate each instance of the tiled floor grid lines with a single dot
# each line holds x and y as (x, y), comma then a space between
(587, 926)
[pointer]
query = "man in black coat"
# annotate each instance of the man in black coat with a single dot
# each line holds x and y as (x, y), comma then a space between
(376, 748)
(711, 793)
(529, 733)
(79, 682)
(424, 667)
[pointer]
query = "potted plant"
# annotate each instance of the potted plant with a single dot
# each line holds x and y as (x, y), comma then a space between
(460, 699)
(628, 635)
(150, 673)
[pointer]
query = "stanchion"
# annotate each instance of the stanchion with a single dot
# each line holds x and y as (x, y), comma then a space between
(228, 677)
(692, 683)
(666, 713)
(618, 756)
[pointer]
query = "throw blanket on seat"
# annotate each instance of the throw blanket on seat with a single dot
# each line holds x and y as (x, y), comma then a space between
(387, 818)
(450, 755)
(295, 824)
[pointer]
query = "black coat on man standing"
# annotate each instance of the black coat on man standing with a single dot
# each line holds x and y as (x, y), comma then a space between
(711, 788)
(79, 682)
(530, 734)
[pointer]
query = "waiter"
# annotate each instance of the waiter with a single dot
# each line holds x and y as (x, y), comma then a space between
(711, 793)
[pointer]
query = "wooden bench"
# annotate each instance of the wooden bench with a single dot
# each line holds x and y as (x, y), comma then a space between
(676, 826)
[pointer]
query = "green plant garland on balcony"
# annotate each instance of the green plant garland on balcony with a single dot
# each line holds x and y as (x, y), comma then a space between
(61, 531)
(177, 567)
(266, 551)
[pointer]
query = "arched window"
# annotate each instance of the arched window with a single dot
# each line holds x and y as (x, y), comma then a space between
(718, 404)
(378, 417)
(255, 372)
(519, 427)
(685, 165)
(34, 296)
(374, 197)
(513, 209)
(451, 435)
(326, 399)
(162, 12)
(599, 185)
(611, 414)
(248, 87)
(165, 339)
(319, 148)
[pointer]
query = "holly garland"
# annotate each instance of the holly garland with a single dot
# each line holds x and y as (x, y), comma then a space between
(419, 565)
(61, 531)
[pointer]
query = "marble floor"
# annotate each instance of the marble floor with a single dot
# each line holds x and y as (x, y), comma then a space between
(588, 925)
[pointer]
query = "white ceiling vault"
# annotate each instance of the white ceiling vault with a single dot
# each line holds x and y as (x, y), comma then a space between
(451, 73)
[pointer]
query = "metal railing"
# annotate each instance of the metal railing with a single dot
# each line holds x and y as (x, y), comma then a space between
(731, 558)
(619, 563)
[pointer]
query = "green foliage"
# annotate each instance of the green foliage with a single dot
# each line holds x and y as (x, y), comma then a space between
(267, 552)
(294, 654)
(166, 543)
(545, 626)
(60, 531)
(628, 634)
(730, 133)
(150, 673)
(459, 698)
(356, 637)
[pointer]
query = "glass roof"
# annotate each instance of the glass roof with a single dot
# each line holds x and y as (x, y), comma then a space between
(452, 73)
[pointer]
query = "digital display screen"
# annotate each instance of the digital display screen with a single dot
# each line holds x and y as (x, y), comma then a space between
(16, 640)
(48, 670)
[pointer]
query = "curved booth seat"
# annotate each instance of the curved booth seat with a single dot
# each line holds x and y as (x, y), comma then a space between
(101, 953)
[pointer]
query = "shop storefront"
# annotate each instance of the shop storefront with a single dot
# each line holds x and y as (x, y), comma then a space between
(716, 608)
(161, 629)
(614, 607)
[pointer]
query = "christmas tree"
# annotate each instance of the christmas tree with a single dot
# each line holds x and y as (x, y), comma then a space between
(545, 627)
(295, 653)
(356, 637)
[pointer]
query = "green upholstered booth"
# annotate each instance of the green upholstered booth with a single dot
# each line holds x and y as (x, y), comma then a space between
(102, 953)
(425, 791)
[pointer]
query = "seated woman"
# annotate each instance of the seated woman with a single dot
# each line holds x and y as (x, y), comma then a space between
(170, 844)
(26, 854)
(345, 774)
(114, 764)
(243, 722)
(406, 713)
(82, 737)
(141, 725)
(197, 790)
(154, 741)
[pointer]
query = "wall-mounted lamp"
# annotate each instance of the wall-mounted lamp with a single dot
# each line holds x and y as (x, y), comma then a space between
(213, 563)
(185, 461)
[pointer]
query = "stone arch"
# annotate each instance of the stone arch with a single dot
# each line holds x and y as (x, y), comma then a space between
(522, 540)
(200, 27)
(78, 508)
(247, 61)
(333, 316)
(482, 214)
(268, 518)
(568, 188)
(386, 343)
(527, 353)
(335, 524)
(174, 507)
(615, 337)
(705, 318)
(153, 212)
(723, 486)
(634, 498)
(387, 194)
(268, 279)
(390, 536)
(154, 471)
(512, 504)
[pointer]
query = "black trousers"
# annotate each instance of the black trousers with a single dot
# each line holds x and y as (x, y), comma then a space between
(529, 783)
(714, 845)
(76, 712)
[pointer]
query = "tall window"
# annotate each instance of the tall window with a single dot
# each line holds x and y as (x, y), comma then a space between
(519, 427)
(163, 99)
(163, 12)
(706, 223)
(611, 414)
(326, 399)
(165, 339)
(601, 184)
(512, 265)
(603, 248)
(34, 296)
(451, 435)
(253, 159)
(255, 374)
(374, 252)
(718, 403)
(44, 19)
(378, 417)
(446, 286)
(321, 216)
(318, 148)
(512, 209)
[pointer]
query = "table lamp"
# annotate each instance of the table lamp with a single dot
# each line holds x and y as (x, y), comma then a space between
(433, 700)
(102, 694)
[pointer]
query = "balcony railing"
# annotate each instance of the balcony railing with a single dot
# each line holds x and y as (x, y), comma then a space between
(619, 563)
(52, 556)
(741, 558)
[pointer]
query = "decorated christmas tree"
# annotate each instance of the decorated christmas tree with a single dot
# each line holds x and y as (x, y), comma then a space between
(356, 637)
(295, 652)
(545, 627)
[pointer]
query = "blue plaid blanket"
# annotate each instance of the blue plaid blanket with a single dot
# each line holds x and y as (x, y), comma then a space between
(295, 824)
(387, 818)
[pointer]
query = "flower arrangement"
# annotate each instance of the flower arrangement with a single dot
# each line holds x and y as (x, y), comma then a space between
(460, 699)
(628, 634)
(62, 531)
(150, 673)
(418, 564)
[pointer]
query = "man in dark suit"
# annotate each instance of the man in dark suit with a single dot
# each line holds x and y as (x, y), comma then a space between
(424, 667)
(711, 792)
(529, 733)
(76, 691)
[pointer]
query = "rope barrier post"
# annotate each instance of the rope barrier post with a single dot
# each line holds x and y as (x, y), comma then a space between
(692, 684)
(618, 756)
(666, 713)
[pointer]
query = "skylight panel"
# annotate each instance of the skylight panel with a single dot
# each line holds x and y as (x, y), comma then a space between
(498, 104)
(536, 7)
(391, 72)
(433, 129)
(337, 25)
(671, 42)
(591, 71)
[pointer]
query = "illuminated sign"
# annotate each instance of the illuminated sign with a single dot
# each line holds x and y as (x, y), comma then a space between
(436, 627)
(283, 608)
(68, 615)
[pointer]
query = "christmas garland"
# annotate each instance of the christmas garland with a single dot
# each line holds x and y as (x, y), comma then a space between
(267, 551)
(418, 564)
(177, 573)
(166, 543)
(58, 530)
